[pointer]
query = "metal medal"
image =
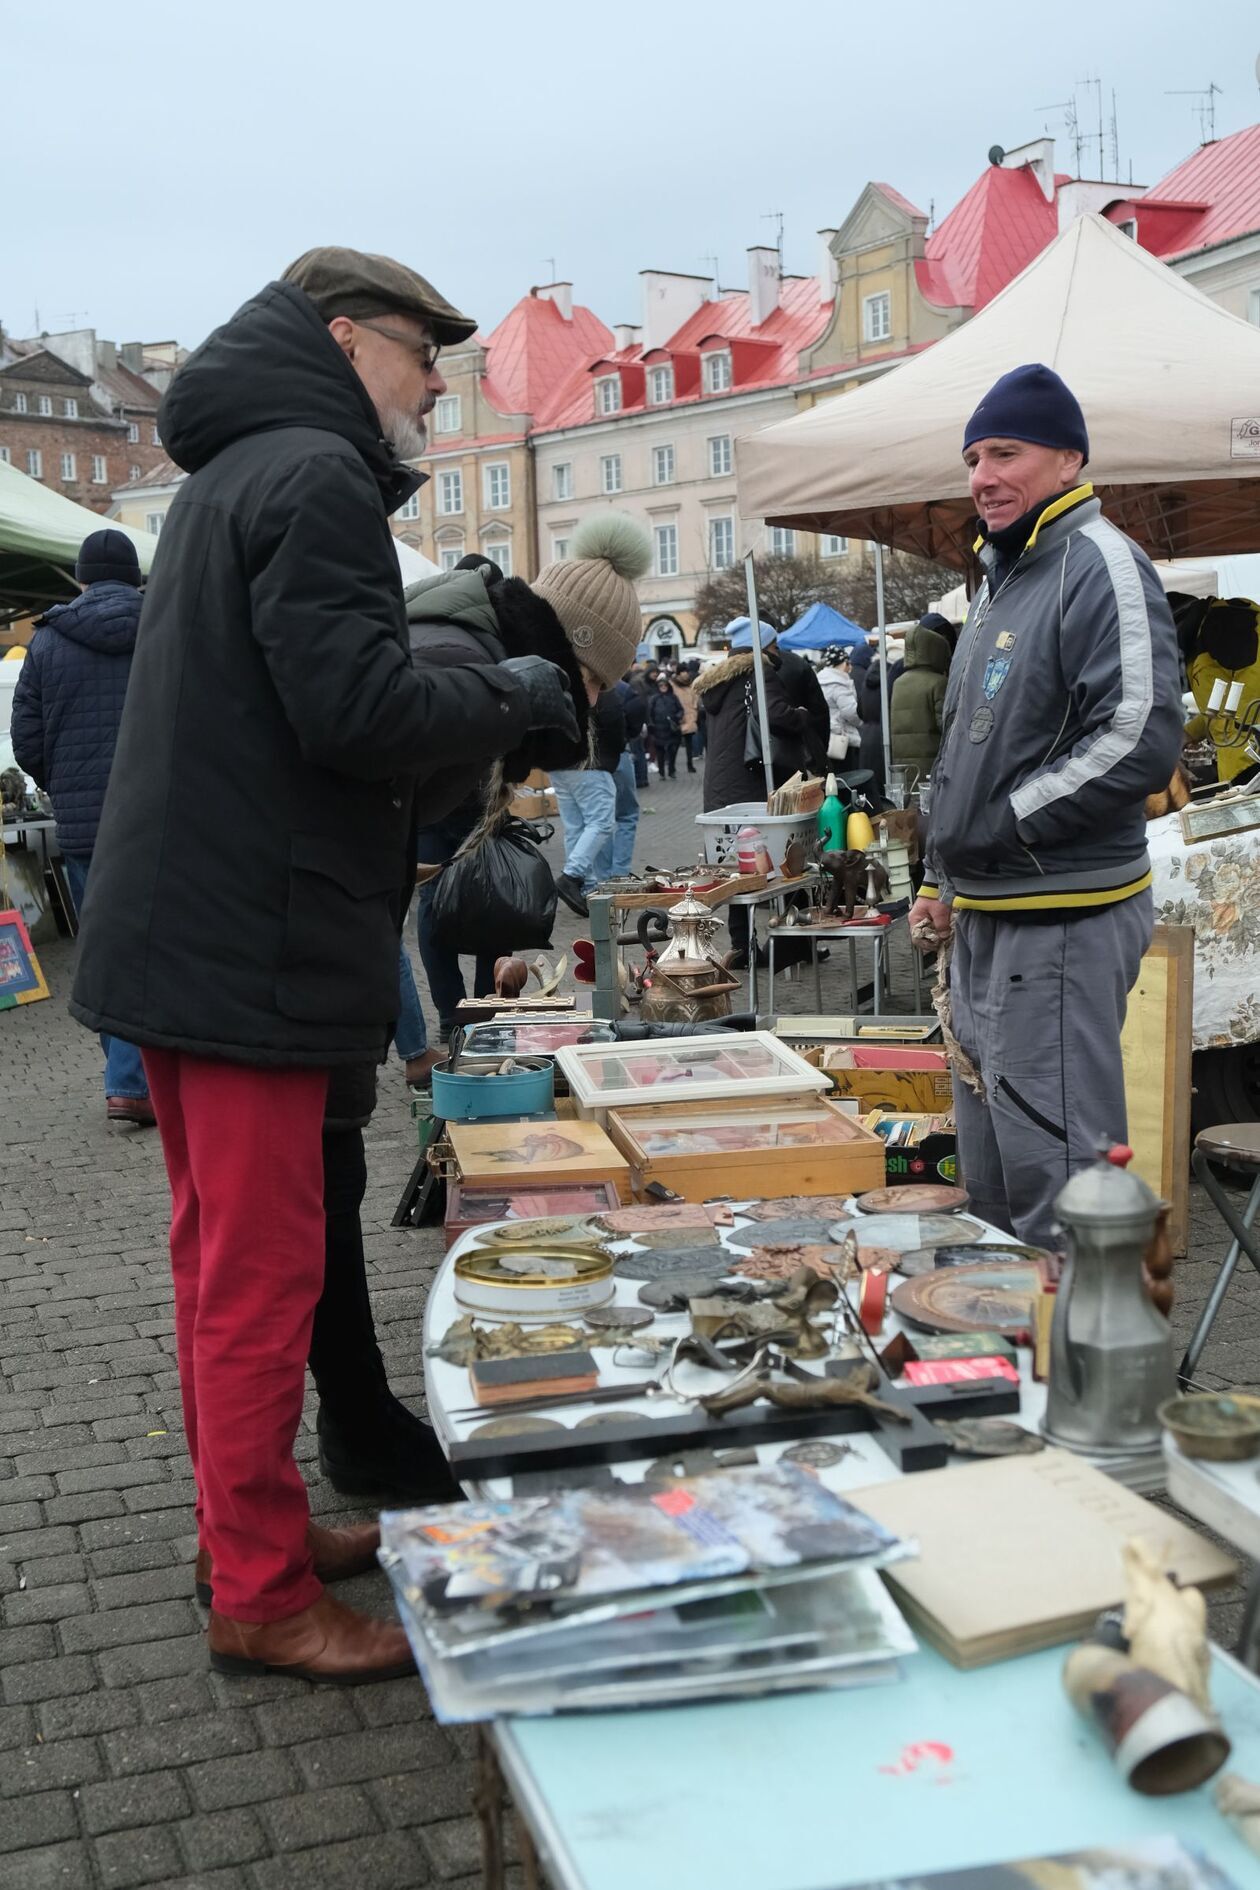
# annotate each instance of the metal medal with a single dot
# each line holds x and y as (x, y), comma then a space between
(819, 1207)
(662, 1264)
(620, 1316)
(816, 1453)
(673, 1294)
(990, 1437)
(676, 1238)
(517, 1426)
(801, 1232)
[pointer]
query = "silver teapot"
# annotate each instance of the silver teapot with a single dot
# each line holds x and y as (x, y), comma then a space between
(1111, 1357)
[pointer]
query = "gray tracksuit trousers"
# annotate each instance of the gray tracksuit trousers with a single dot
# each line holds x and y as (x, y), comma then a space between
(1039, 1008)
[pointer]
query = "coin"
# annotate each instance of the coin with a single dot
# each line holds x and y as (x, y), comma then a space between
(672, 1294)
(816, 1453)
(628, 1318)
(517, 1426)
(668, 1264)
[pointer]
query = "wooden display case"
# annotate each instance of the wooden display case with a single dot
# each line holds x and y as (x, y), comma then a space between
(537, 1152)
(739, 1066)
(766, 1148)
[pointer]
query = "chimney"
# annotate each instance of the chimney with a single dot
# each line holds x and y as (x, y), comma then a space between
(1039, 157)
(668, 301)
(627, 335)
(828, 266)
(763, 283)
(561, 293)
(132, 353)
(106, 355)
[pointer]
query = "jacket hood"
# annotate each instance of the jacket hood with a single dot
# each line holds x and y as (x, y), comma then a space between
(927, 649)
(453, 597)
(729, 670)
(274, 364)
(1227, 632)
(105, 618)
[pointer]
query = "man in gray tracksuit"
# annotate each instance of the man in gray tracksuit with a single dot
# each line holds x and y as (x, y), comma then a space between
(1063, 712)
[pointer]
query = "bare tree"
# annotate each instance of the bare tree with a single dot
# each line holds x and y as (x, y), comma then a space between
(786, 587)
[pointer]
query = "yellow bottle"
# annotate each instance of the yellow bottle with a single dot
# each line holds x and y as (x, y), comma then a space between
(858, 832)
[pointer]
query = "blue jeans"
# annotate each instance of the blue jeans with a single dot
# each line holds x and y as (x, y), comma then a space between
(434, 846)
(614, 861)
(587, 799)
(638, 754)
(411, 1039)
(124, 1071)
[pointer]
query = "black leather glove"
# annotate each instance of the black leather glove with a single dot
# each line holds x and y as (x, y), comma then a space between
(547, 688)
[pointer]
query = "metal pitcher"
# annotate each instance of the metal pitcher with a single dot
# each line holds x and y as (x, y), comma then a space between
(1111, 1360)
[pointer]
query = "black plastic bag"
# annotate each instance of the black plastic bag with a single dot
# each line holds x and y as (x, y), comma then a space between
(498, 895)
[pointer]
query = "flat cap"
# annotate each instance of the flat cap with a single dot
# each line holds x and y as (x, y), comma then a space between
(352, 283)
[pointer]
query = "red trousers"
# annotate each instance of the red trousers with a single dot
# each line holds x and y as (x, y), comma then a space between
(244, 1159)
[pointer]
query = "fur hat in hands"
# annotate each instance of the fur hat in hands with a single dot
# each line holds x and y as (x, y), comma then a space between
(593, 592)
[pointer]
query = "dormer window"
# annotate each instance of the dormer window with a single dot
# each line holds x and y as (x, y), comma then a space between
(661, 385)
(608, 394)
(717, 371)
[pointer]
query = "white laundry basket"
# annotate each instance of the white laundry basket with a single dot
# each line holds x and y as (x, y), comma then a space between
(721, 829)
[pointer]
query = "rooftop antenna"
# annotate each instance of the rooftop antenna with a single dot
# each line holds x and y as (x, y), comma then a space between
(1097, 85)
(551, 264)
(1072, 125)
(1115, 137)
(776, 217)
(1206, 108)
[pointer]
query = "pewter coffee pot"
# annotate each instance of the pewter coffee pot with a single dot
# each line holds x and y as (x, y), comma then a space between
(1111, 1361)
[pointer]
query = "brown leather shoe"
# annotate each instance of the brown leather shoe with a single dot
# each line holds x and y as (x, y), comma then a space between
(327, 1641)
(137, 1109)
(337, 1553)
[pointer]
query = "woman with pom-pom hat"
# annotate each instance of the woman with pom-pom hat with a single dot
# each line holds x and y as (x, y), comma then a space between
(593, 595)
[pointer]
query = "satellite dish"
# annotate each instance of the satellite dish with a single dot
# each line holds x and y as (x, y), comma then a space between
(997, 154)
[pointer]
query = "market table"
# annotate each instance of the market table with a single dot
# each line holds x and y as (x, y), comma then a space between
(824, 932)
(1224, 1497)
(834, 1787)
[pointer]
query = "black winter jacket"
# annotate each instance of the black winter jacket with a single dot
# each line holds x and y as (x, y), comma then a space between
(797, 710)
(256, 848)
(664, 716)
(69, 702)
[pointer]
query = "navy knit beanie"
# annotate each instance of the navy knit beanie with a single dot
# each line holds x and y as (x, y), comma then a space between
(107, 556)
(1030, 403)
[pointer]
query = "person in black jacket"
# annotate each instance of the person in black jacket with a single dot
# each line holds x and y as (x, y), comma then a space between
(255, 854)
(871, 716)
(664, 719)
(67, 706)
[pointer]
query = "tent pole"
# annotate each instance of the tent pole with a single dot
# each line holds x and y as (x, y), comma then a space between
(884, 698)
(759, 674)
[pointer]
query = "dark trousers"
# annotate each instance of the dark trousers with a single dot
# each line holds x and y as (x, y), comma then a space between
(691, 743)
(667, 753)
(434, 846)
(638, 755)
(345, 1359)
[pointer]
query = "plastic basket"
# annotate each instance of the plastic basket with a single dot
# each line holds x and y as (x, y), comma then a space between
(721, 829)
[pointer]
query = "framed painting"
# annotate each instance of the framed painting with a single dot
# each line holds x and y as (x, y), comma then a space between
(21, 980)
(1210, 820)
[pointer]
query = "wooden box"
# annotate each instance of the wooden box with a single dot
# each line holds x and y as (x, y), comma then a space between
(469, 1207)
(537, 1152)
(885, 1076)
(782, 1146)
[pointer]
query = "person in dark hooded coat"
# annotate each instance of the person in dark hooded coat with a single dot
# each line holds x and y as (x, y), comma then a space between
(254, 860)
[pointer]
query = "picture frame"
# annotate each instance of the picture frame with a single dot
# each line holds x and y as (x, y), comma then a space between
(1213, 820)
(21, 979)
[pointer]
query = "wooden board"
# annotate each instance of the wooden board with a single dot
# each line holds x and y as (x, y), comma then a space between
(1155, 1045)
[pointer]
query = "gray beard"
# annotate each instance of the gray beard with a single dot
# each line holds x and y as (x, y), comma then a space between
(407, 436)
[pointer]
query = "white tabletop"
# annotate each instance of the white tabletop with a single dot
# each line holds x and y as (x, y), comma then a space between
(1225, 1496)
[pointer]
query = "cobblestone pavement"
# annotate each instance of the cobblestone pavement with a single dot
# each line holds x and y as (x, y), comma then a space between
(123, 1761)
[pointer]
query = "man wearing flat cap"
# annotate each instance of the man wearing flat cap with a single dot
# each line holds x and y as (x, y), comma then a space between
(252, 868)
(1062, 714)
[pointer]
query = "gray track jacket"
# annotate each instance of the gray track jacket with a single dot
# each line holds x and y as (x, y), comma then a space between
(1063, 712)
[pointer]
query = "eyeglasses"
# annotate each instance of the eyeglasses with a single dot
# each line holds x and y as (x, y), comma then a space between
(426, 352)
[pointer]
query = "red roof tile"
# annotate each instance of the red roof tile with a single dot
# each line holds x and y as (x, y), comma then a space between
(534, 348)
(988, 237)
(798, 320)
(1210, 197)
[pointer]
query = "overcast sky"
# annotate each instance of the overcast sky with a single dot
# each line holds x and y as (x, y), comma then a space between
(162, 164)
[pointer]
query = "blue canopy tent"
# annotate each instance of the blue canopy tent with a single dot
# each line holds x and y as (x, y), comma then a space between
(820, 627)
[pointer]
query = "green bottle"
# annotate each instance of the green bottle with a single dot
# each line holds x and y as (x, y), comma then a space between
(831, 819)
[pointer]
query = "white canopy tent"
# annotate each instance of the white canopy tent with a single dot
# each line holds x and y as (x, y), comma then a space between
(40, 535)
(1169, 383)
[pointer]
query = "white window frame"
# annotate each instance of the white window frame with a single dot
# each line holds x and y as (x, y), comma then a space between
(559, 549)
(20, 404)
(831, 545)
(661, 384)
(450, 485)
(718, 373)
(155, 438)
(70, 408)
(608, 394)
(877, 316)
(68, 471)
(489, 481)
(448, 414)
(449, 556)
(43, 405)
(154, 521)
(665, 550)
(133, 433)
(664, 457)
(133, 473)
(562, 479)
(5, 457)
(610, 473)
(34, 462)
(782, 541)
(721, 456)
(100, 470)
(501, 552)
(722, 528)
(409, 509)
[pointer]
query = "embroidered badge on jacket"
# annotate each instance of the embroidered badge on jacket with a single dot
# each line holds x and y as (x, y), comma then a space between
(996, 671)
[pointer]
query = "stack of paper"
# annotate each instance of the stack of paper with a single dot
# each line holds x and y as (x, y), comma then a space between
(739, 1582)
(1022, 1553)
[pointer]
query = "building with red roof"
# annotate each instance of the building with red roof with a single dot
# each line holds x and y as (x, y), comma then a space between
(1204, 220)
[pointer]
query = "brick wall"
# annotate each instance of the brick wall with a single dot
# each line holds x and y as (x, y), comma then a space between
(54, 436)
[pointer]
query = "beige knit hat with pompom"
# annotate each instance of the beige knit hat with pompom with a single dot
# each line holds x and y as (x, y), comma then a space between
(593, 592)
